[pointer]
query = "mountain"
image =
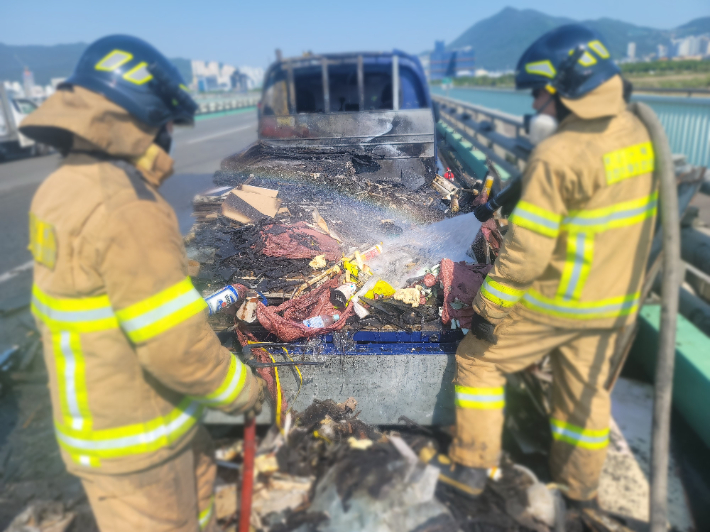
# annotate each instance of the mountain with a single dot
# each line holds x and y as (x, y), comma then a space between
(47, 62)
(500, 40)
(694, 27)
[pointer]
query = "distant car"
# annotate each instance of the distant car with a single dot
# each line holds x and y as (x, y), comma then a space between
(374, 106)
(12, 142)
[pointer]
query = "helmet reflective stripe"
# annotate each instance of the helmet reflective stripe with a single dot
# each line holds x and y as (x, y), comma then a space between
(113, 60)
(138, 74)
(599, 48)
(587, 59)
(544, 68)
(137, 77)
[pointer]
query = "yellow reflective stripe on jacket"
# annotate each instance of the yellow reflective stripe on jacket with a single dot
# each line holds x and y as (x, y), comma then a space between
(582, 310)
(629, 162)
(536, 219)
(580, 252)
(130, 440)
(230, 388)
(578, 436)
(618, 215)
(479, 398)
(71, 379)
(156, 314)
(499, 294)
(205, 515)
(81, 315)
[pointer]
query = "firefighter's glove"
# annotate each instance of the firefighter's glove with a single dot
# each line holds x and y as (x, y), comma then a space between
(483, 329)
(484, 212)
(256, 399)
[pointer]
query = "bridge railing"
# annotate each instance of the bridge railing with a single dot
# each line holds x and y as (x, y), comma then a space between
(226, 103)
(499, 136)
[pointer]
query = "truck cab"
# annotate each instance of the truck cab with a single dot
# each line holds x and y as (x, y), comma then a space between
(369, 104)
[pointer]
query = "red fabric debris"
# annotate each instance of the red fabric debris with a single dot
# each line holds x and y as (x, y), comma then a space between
(298, 241)
(286, 320)
(461, 281)
(429, 280)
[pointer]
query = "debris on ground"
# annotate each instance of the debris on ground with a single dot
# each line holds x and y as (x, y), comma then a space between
(42, 516)
(327, 471)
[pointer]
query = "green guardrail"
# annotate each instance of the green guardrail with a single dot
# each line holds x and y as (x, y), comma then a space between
(691, 379)
(471, 158)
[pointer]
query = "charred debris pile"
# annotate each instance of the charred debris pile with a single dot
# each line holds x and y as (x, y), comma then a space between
(287, 228)
(324, 470)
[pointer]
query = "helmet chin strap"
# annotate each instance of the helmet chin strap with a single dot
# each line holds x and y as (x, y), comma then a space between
(165, 140)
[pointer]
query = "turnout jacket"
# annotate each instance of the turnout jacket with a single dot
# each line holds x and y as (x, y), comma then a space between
(131, 359)
(578, 241)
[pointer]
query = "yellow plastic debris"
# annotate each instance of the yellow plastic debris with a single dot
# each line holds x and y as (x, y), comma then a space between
(361, 445)
(381, 289)
(410, 296)
(318, 263)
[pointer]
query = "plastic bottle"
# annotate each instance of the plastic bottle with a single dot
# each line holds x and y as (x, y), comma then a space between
(372, 252)
(226, 297)
(324, 320)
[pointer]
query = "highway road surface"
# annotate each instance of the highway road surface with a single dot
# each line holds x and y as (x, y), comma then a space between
(198, 152)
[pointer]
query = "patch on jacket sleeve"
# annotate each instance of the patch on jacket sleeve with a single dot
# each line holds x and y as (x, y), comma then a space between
(43, 242)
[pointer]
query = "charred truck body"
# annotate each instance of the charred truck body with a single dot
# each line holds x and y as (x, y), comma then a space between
(373, 108)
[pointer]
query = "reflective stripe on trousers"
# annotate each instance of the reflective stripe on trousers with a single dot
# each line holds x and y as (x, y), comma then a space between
(479, 398)
(578, 436)
(205, 515)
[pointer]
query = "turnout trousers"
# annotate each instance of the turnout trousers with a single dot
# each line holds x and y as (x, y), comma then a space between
(175, 496)
(580, 404)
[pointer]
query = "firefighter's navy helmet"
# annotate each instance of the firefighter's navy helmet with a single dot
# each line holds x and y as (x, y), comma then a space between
(137, 77)
(571, 60)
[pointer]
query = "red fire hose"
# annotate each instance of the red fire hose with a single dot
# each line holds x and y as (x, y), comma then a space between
(247, 473)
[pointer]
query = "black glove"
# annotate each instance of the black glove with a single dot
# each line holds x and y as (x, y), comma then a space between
(483, 329)
(484, 212)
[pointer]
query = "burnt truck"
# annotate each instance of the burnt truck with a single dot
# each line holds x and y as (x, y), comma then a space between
(346, 141)
(347, 152)
(373, 109)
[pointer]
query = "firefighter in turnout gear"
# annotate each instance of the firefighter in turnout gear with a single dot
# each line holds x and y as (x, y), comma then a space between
(570, 270)
(132, 361)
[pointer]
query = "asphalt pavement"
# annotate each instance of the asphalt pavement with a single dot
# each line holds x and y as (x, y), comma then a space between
(198, 152)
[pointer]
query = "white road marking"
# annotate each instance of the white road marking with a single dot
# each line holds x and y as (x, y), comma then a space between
(220, 134)
(16, 271)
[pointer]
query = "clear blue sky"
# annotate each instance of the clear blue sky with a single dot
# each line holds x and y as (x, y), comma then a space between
(246, 33)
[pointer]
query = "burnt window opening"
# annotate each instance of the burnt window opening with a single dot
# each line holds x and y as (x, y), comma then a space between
(342, 86)
(378, 87)
(275, 99)
(309, 89)
(411, 91)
